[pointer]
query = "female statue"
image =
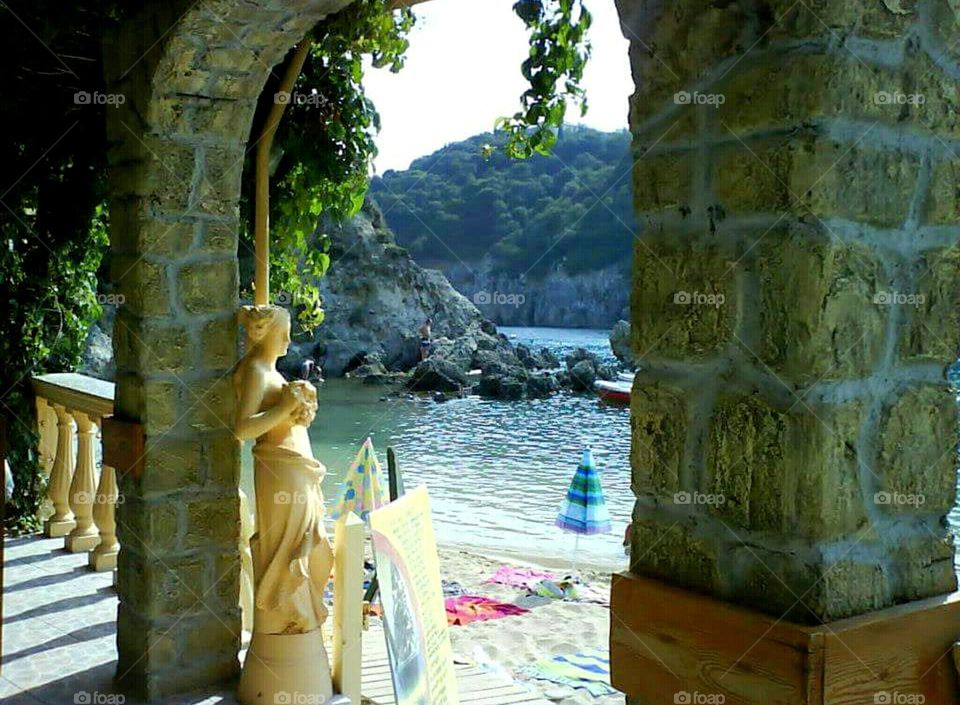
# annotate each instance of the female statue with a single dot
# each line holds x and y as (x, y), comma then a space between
(292, 557)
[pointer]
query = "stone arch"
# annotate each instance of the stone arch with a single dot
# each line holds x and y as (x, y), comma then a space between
(191, 74)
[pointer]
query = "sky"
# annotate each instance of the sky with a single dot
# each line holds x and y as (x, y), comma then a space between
(463, 72)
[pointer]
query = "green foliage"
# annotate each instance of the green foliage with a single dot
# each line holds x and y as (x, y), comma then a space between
(572, 210)
(559, 51)
(52, 232)
(325, 144)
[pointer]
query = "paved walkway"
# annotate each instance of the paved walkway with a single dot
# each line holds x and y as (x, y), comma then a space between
(59, 639)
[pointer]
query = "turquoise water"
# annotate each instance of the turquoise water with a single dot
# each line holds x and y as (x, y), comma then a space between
(497, 472)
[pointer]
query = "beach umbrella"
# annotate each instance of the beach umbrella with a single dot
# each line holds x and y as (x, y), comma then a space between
(363, 489)
(584, 512)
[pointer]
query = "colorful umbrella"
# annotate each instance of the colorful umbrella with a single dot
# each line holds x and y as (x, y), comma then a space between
(362, 491)
(585, 512)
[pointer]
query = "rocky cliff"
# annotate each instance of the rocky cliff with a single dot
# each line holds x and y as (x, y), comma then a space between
(595, 299)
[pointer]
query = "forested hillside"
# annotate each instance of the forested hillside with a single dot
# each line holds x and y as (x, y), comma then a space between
(569, 211)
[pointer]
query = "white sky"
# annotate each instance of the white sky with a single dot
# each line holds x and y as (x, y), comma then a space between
(463, 72)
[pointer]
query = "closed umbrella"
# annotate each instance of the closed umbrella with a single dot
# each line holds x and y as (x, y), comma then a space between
(584, 511)
(362, 490)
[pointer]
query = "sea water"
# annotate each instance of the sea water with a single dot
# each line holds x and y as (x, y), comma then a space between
(497, 471)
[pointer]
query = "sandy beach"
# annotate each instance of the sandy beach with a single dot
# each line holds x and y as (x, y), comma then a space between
(557, 628)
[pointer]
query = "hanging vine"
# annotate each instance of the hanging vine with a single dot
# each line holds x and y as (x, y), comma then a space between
(327, 142)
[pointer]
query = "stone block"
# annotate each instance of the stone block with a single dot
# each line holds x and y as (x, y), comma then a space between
(816, 176)
(209, 287)
(152, 345)
(218, 192)
(917, 451)
(674, 46)
(218, 344)
(799, 88)
(170, 587)
(171, 463)
(932, 329)
(820, 311)
(145, 527)
(212, 522)
(788, 472)
(832, 20)
(212, 117)
(943, 200)
(922, 565)
(663, 182)
(219, 237)
(142, 284)
(221, 453)
(658, 419)
(210, 403)
(683, 303)
(670, 552)
(160, 406)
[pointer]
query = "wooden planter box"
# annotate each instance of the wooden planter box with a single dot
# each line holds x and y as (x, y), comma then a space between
(671, 646)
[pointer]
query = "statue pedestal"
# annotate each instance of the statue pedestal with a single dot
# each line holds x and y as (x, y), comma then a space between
(285, 668)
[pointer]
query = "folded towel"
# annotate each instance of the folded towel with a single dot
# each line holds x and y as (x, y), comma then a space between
(471, 608)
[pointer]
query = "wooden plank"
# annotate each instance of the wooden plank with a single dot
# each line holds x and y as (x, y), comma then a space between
(665, 641)
(904, 651)
(348, 606)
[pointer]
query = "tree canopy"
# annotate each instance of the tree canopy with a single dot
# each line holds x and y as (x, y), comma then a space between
(570, 210)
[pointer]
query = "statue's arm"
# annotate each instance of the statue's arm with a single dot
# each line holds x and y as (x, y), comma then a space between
(251, 422)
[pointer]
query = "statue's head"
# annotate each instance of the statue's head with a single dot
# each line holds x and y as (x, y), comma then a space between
(268, 329)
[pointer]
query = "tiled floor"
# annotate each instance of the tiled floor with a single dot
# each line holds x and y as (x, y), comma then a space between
(59, 630)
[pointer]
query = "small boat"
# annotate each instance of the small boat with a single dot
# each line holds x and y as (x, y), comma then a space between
(626, 376)
(617, 392)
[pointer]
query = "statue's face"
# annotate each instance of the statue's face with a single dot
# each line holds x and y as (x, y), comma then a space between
(280, 336)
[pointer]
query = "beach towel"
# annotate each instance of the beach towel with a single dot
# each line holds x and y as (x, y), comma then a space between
(588, 669)
(472, 608)
(526, 578)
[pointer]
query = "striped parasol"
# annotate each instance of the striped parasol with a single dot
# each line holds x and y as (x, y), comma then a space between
(585, 512)
(362, 490)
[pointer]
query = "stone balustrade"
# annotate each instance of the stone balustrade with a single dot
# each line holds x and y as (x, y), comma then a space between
(70, 408)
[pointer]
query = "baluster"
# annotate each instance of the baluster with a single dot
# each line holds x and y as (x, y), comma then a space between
(84, 535)
(47, 430)
(62, 522)
(104, 556)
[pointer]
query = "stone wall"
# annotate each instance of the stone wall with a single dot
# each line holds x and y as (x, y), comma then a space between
(795, 299)
(190, 74)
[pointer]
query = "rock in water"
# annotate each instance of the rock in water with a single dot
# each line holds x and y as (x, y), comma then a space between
(438, 375)
(620, 343)
(582, 375)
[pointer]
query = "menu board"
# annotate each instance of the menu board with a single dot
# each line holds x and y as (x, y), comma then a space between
(415, 621)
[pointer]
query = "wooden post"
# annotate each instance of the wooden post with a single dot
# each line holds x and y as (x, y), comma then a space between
(62, 521)
(84, 536)
(261, 226)
(348, 606)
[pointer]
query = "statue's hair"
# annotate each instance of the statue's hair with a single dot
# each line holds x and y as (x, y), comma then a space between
(258, 320)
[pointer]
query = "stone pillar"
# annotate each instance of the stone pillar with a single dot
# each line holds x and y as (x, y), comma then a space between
(190, 74)
(794, 301)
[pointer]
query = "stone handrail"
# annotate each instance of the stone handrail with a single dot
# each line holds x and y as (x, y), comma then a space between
(83, 510)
